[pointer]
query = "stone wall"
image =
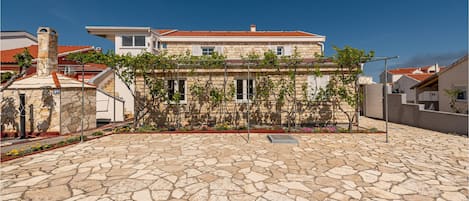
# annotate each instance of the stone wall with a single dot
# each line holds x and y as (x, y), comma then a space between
(236, 49)
(196, 110)
(71, 110)
(46, 109)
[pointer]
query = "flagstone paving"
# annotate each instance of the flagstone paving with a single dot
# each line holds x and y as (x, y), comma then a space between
(417, 164)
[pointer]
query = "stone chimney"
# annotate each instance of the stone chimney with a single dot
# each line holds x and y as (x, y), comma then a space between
(253, 28)
(47, 51)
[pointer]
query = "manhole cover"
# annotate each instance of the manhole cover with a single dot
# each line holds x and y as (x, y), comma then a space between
(279, 138)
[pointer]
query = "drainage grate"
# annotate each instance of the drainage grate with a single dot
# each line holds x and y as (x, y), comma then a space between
(281, 138)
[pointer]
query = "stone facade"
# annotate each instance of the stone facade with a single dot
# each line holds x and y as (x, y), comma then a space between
(234, 50)
(197, 110)
(54, 110)
(71, 110)
(45, 112)
(47, 52)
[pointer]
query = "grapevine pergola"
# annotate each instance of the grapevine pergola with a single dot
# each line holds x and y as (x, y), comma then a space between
(274, 98)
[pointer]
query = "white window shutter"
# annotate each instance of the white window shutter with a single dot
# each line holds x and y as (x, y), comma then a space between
(273, 48)
(219, 49)
(196, 50)
(315, 84)
(287, 50)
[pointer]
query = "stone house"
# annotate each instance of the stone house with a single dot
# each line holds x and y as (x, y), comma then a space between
(234, 76)
(52, 100)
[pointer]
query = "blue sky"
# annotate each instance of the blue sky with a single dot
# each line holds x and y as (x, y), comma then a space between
(421, 32)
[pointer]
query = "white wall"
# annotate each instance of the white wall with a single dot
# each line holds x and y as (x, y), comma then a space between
(403, 86)
(125, 94)
(13, 43)
(456, 76)
(105, 107)
(119, 49)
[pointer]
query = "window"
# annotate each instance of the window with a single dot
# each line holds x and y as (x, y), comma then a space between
(127, 41)
(164, 45)
(177, 87)
(130, 41)
(462, 94)
(280, 51)
(207, 50)
(139, 40)
(244, 89)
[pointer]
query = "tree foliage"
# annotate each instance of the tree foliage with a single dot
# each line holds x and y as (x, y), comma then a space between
(342, 85)
(24, 61)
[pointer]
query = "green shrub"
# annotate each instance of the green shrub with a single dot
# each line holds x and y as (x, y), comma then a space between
(46, 146)
(223, 126)
(146, 128)
(373, 130)
(97, 133)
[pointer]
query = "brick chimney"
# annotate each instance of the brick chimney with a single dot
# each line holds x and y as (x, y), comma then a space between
(253, 28)
(47, 51)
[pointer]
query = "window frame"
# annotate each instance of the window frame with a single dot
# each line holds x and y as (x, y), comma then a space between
(210, 51)
(133, 37)
(282, 51)
(463, 92)
(176, 87)
(247, 91)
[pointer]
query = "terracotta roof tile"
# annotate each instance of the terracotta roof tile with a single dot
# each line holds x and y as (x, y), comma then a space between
(402, 71)
(239, 33)
(8, 56)
(420, 77)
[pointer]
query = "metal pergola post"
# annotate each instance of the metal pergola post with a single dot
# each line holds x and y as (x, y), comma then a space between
(82, 100)
(386, 114)
(249, 108)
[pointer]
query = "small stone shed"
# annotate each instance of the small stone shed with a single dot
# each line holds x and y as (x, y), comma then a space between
(52, 100)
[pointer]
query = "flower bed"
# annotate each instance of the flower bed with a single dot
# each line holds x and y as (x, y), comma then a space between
(38, 148)
(224, 128)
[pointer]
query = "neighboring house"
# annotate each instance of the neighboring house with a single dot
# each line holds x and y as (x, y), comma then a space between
(51, 101)
(395, 74)
(454, 77)
(433, 91)
(405, 82)
(16, 39)
(9, 64)
(132, 40)
(233, 45)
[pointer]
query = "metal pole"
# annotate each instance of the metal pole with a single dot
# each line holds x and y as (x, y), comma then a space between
(22, 116)
(82, 100)
(249, 128)
(114, 94)
(386, 96)
(179, 93)
(385, 88)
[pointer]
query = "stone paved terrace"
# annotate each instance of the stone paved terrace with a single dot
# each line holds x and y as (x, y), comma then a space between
(417, 165)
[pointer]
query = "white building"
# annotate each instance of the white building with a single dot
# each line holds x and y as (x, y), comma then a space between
(395, 74)
(16, 39)
(405, 82)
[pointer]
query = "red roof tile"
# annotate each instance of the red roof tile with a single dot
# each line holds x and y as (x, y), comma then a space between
(420, 77)
(8, 56)
(237, 33)
(401, 71)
